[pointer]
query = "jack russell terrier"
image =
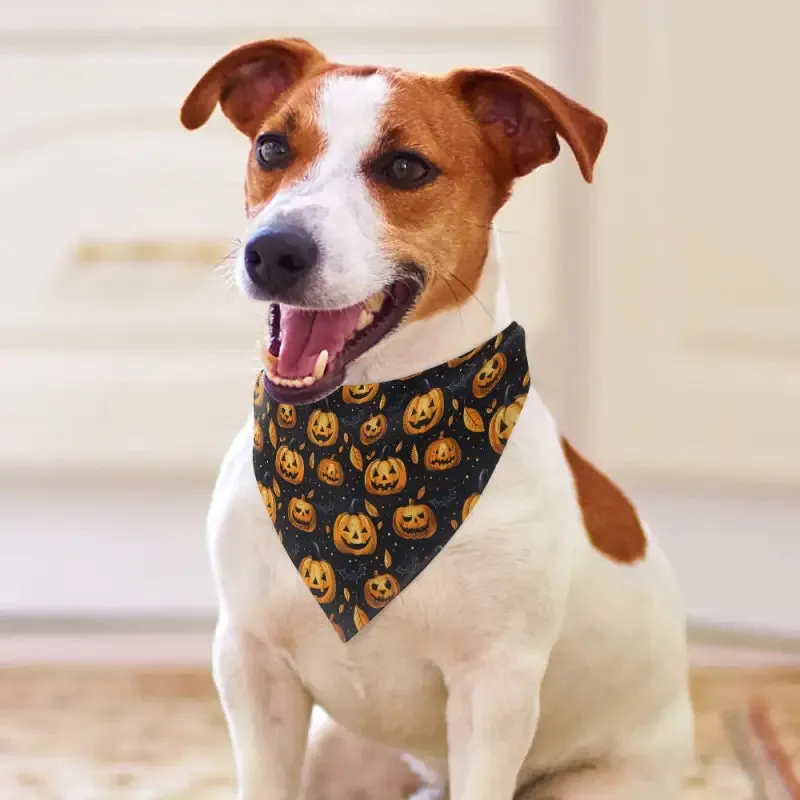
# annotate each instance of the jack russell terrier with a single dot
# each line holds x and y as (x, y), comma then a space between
(399, 534)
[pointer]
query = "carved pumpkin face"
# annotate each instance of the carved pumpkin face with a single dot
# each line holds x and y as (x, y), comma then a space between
(503, 422)
(457, 362)
(385, 475)
(330, 472)
(323, 428)
(372, 430)
(414, 521)
(258, 393)
(354, 533)
(319, 577)
(287, 415)
(359, 393)
(489, 375)
(472, 500)
(380, 589)
(258, 436)
(289, 464)
(442, 454)
(268, 496)
(302, 514)
(424, 412)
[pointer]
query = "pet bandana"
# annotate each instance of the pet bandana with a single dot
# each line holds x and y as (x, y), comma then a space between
(366, 486)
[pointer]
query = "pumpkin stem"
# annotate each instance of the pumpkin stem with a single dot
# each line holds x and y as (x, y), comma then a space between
(317, 554)
(509, 395)
(426, 386)
(353, 507)
(482, 479)
(385, 452)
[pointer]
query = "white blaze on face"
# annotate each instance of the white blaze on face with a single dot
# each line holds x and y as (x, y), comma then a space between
(333, 199)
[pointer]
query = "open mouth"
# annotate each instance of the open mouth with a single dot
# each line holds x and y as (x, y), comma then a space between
(309, 349)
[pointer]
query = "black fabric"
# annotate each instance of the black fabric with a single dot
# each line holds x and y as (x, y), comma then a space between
(366, 486)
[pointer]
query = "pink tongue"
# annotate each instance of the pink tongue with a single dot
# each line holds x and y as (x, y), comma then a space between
(304, 334)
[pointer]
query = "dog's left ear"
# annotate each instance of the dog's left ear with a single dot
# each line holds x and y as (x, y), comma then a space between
(522, 118)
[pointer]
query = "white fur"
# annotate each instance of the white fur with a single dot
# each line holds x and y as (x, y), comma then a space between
(520, 652)
(332, 201)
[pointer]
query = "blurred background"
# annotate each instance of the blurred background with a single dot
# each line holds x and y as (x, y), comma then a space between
(663, 301)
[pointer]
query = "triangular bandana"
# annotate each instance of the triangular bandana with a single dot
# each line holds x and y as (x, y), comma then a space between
(366, 486)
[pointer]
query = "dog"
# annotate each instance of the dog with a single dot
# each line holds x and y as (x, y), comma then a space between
(542, 653)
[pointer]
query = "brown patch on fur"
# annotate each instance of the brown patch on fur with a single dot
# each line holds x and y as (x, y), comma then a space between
(610, 519)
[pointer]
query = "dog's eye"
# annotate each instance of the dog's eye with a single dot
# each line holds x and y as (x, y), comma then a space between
(272, 151)
(404, 170)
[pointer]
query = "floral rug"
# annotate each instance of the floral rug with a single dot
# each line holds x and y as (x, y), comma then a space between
(113, 734)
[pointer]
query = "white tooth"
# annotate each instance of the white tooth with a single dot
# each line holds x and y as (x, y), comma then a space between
(297, 383)
(376, 302)
(322, 362)
(364, 319)
(308, 381)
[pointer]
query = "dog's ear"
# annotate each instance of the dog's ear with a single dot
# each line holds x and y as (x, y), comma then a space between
(523, 117)
(247, 82)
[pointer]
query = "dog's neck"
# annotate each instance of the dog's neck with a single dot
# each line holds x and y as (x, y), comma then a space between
(418, 346)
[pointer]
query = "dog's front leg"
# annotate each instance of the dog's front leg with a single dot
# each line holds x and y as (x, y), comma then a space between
(268, 713)
(492, 713)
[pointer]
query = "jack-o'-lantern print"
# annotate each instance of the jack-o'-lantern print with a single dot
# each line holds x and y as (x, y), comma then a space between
(323, 428)
(457, 362)
(368, 484)
(354, 533)
(414, 521)
(372, 430)
(289, 464)
(442, 454)
(319, 577)
(359, 393)
(504, 419)
(385, 475)
(380, 590)
(302, 514)
(489, 375)
(287, 415)
(425, 411)
(472, 500)
(268, 496)
(330, 471)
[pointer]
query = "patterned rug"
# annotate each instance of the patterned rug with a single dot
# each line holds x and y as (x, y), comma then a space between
(159, 735)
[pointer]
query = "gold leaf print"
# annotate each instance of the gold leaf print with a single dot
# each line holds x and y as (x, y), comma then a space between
(360, 619)
(341, 449)
(382, 404)
(527, 379)
(327, 529)
(310, 494)
(341, 607)
(450, 421)
(493, 405)
(421, 493)
(399, 447)
(498, 340)
(356, 458)
(455, 404)
(473, 421)
(453, 524)
(380, 525)
(387, 559)
(346, 595)
(371, 455)
(276, 488)
(415, 455)
(311, 461)
(371, 510)
(273, 434)
(302, 446)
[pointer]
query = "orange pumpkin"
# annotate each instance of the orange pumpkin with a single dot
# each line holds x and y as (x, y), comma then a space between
(258, 392)
(323, 428)
(359, 393)
(268, 496)
(258, 436)
(424, 410)
(289, 463)
(330, 471)
(287, 415)
(457, 362)
(504, 419)
(414, 521)
(380, 589)
(354, 533)
(373, 429)
(319, 577)
(442, 454)
(302, 514)
(472, 500)
(385, 475)
(489, 375)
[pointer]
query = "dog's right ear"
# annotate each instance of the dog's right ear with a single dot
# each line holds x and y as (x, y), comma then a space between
(248, 81)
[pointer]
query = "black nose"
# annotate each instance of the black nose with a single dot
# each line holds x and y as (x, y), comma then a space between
(276, 258)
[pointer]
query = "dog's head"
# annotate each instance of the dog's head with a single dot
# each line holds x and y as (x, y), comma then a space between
(370, 191)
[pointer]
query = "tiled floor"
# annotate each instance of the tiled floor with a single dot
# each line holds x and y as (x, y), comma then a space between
(135, 734)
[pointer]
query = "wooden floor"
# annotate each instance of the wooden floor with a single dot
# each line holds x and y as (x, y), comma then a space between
(135, 734)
